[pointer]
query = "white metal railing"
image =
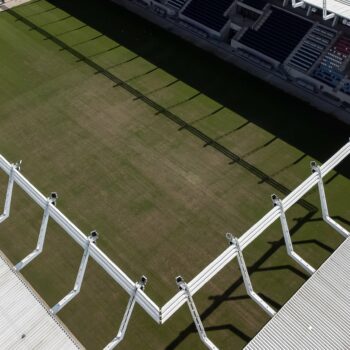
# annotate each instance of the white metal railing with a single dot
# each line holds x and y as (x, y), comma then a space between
(187, 290)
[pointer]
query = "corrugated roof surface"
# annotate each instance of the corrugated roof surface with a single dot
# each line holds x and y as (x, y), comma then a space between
(25, 322)
(318, 315)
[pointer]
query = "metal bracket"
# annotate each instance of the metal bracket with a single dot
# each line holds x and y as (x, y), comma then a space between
(287, 238)
(325, 15)
(52, 200)
(296, 4)
(7, 207)
(246, 279)
(79, 280)
(127, 315)
(325, 213)
(195, 315)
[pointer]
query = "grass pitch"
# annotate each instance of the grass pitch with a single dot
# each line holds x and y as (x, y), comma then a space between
(162, 148)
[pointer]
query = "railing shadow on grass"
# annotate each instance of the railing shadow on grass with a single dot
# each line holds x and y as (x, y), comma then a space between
(183, 125)
(312, 132)
(218, 300)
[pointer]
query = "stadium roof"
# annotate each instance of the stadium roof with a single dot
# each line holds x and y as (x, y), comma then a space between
(318, 315)
(25, 321)
(338, 7)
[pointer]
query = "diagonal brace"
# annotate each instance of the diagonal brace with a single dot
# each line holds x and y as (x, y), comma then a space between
(79, 280)
(195, 315)
(246, 279)
(296, 4)
(324, 207)
(42, 234)
(7, 207)
(127, 315)
(287, 238)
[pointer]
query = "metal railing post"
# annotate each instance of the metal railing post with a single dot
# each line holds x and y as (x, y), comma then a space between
(127, 315)
(8, 199)
(287, 238)
(52, 200)
(79, 280)
(246, 279)
(195, 315)
(324, 207)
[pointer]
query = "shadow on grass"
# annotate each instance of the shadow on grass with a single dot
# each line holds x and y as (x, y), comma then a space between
(183, 125)
(287, 118)
(218, 300)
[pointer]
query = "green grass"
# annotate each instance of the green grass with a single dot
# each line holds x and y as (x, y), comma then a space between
(161, 201)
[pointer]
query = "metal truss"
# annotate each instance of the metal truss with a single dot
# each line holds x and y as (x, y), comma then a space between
(8, 199)
(127, 315)
(195, 315)
(42, 234)
(324, 207)
(296, 4)
(289, 245)
(326, 15)
(79, 280)
(246, 279)
(185, 295)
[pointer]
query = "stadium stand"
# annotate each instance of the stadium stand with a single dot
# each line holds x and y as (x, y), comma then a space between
(278, 36)
(257, 4)
(311, 49)
(292, 47)
(208, 13)
(176, 4)
(332, 64)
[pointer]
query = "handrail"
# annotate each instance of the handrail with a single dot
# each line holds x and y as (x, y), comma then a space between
(162, 314)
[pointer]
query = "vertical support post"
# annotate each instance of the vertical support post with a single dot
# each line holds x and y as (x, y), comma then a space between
(309, 9)
(246, 279)
(287, 238)
(42, 233)
(79, 280)
(195, 315)
(7, 207)
(324, 207)
(127, 315)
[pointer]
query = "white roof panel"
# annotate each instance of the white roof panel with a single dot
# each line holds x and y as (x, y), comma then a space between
(339, 7)
(25, 321)
(318, 315)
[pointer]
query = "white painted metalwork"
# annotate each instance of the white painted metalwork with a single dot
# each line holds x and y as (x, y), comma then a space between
(317, 316)
(8, 199)
(162, 314)
(79, 280)
(287, 238)
(246, 279)
(42, 234)
(331, 8)
(195, 315)
(296, 4)
(324, 207)
(127, 315)
(326, 15)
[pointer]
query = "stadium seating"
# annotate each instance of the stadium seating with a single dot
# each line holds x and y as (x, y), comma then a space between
(209, 13)
(331, 66)
(176, 4)
(278, 36)
(311, 49)
(257, 4)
